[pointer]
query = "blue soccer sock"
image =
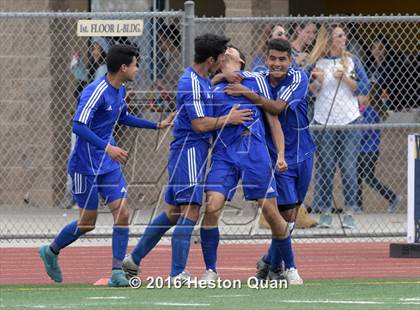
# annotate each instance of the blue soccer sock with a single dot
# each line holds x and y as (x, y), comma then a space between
(119, 245)
(181, 245)
(65, 237)
(209, 243)
(267, 257)
(153, 233)
(282, 250)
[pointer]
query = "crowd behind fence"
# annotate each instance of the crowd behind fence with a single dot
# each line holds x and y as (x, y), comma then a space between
(361, 164)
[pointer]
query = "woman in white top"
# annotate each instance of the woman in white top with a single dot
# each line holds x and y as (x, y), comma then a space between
(337, 78)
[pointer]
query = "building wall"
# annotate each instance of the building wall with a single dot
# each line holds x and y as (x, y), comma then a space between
(32, 161)
(120, 6)
(256, 8)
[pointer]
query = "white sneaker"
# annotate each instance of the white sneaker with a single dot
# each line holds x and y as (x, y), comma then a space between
(209, 276)
(130, 267)
(292, 276)
(183, 278)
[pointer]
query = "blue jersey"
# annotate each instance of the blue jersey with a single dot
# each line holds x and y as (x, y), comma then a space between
(193, 100)
(371, 139)
(223, 103)
(99, 107)
(294, 120)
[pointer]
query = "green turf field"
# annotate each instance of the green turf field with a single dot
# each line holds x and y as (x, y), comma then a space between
(357, 294)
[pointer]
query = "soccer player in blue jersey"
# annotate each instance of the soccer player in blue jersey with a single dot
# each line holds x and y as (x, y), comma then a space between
(240, 152)
(289, 87)
(188, 157)
(95, 162)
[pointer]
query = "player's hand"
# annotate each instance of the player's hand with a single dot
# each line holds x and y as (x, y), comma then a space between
(281, 164)
(236, 89)
(116, 153)
(318, 75)
(168, 121)
(233, 77)
(237, 117)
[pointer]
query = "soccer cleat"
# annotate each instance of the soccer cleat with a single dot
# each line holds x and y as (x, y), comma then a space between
(276, 275)
(51, 265)
(130, 267)
(262, 269)
(394, 204)
(209, 276)
(118, 279)
(325, 221)
(348, 221)
(292, 276)
(182, 278)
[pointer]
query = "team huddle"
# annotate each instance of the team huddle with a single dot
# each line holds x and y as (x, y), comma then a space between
(253, 127)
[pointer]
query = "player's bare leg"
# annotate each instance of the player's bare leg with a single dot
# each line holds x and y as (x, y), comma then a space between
(277, 224)
(87, 220)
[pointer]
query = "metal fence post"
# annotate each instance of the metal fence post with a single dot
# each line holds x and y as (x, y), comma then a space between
(188, 33)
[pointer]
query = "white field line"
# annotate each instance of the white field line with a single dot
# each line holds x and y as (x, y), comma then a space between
(410, 299)
(345, 302)
(178, 304)
(228, 296)
(106, 297)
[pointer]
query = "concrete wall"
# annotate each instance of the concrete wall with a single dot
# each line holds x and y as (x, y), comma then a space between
(34, 103)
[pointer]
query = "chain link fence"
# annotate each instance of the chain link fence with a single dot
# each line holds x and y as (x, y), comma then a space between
(360, 168)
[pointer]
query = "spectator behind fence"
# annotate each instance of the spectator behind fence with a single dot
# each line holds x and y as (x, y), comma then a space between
(396, 72)
(96, 66)
(301, 44)
(337, 78)
(369, 151)
(167, 72)
(276, 32)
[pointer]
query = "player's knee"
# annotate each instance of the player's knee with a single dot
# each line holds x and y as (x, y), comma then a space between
(269, 213)
(213, 210)
(121, 216)
(87, 220)
(191, 212)
(211, 219)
